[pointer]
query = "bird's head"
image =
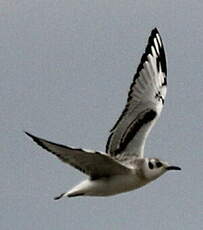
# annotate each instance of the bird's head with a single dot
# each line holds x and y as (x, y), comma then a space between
(154, 168)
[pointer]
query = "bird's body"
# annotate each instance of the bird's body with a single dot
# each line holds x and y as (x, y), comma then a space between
(110, 185)
(107, 186)
(123, 167)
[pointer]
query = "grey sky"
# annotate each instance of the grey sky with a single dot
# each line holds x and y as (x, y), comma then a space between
(66, 67)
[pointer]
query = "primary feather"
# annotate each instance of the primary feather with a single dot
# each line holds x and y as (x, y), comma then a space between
(144, 104)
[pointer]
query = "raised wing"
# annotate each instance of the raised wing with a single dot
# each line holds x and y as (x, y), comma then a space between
(144, 104)
(94, 164)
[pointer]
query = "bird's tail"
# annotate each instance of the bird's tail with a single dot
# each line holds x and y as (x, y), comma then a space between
(81, 189)
(68, 194)
(60, 196)
(65, 194)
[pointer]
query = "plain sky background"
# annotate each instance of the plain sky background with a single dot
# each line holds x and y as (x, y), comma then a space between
(66, 67)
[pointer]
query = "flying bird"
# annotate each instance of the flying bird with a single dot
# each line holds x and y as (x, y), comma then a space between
(123, 167)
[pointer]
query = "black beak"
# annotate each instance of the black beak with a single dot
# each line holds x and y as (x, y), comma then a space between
(173, 168)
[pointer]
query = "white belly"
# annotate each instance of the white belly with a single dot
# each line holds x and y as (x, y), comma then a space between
(108, 186)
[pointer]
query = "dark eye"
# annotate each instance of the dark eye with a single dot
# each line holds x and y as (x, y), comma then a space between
(158, 164)
(151, 166)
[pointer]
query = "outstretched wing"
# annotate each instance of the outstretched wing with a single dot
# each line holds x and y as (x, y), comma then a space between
(94, 164)
(144, 104)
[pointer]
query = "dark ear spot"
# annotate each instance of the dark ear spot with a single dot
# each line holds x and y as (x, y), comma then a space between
(151, 166)
(159, 164)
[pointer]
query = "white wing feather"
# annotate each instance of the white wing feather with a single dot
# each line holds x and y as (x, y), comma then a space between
(144, 104)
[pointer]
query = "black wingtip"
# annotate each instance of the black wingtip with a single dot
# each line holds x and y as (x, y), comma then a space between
(31, 136)
(155, 30)
(39, 141)
(162, 57)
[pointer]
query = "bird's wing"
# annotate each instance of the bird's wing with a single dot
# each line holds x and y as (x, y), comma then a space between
(144, 103)
(92, 163)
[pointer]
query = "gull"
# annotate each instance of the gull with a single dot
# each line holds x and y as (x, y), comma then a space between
(123, 167)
